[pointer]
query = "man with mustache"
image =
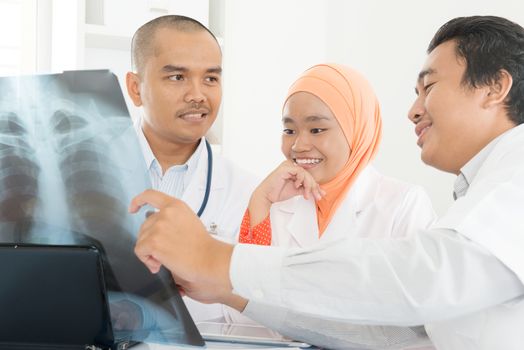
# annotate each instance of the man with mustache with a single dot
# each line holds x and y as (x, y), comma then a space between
(463, 278)
(177, 80)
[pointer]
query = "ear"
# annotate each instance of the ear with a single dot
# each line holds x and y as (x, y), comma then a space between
(499, 90)
(133, 88)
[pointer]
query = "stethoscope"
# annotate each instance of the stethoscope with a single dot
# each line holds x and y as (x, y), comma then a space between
(208, 179)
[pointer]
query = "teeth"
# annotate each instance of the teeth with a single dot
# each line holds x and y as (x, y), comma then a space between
(424, 130)
(308, 161)
(193, 116)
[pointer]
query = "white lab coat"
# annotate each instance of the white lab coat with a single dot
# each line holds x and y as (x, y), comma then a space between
(376, 207)
(463, 277)
(491, 215)
(231, 188)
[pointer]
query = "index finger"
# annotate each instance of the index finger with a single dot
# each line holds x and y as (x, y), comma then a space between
(154, 198)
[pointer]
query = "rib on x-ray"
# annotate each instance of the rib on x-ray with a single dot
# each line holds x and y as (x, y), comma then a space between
(69, 165)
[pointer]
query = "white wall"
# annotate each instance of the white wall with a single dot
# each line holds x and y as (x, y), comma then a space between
(268, 43)
(96, 34)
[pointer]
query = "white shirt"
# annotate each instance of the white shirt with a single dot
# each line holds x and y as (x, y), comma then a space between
(463, 277)
(176, 179)
(471, 168)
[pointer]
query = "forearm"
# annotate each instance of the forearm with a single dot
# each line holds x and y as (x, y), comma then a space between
(334, 334)
(435, 275)
(258, 207)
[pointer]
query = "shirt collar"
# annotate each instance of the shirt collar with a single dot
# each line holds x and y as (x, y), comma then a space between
(192, 162)
(151, 161)
(472, 167)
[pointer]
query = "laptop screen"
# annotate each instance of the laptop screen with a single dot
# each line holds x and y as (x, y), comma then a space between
(53, 295)
(70, 163)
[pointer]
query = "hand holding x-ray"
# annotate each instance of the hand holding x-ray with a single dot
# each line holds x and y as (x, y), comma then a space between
(176, 238)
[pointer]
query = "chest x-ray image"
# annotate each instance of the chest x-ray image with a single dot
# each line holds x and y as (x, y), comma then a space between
(70, 163)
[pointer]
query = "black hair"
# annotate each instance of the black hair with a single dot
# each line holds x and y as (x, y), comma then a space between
(489, 44)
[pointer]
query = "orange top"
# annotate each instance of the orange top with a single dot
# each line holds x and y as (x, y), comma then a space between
(352, 100)
(260, 234)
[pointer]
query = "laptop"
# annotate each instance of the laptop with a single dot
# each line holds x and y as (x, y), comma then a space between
(54, 297)
(251, 334)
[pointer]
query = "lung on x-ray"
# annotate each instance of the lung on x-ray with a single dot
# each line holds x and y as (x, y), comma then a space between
(70, 163)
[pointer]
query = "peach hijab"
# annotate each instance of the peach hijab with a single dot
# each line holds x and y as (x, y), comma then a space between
(351, 99)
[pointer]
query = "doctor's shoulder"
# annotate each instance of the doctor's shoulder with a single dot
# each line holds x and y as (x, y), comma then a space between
(238, 180)
(407, 203)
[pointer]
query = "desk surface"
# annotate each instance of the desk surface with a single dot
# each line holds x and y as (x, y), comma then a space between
(210, 345)
(220, 345)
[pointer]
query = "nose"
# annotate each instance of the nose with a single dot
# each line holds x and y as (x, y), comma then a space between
(301, 144)
(195, 92)
(417, 110)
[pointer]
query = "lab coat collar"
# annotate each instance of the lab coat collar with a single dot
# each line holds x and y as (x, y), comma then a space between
(149, 157)
(303, 225)
(360, 196)
(196, 186)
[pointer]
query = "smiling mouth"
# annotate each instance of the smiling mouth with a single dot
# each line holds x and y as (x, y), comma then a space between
(307, 162)
(421, 134)
(194, 116)
(421, 129)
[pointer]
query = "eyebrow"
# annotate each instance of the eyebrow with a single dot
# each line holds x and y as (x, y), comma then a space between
(169, 68)
(421, 76)
(309, 119)
(425, 72)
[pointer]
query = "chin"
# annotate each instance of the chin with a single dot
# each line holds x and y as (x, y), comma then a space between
(434, 162)
(429, 159)
(318, 179)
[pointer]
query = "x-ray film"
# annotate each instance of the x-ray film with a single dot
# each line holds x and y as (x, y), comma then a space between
(70, 163)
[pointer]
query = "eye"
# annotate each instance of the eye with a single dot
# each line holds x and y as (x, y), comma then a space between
(317, 130)
(176, 77)
(212, 79)
(288, 131)
(428, 87)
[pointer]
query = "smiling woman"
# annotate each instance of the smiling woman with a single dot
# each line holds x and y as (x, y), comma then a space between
(328, 190)
(332, 128)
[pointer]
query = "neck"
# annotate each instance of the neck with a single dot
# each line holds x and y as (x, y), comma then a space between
(169, 153)
(479, 141)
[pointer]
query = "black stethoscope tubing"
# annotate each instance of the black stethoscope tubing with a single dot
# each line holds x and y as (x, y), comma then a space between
(208, 179)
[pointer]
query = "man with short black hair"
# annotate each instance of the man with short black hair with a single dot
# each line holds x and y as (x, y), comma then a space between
(177, 80)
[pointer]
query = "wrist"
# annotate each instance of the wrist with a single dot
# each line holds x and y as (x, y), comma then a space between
(259, 207)
(218, 265)
(236, 302)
